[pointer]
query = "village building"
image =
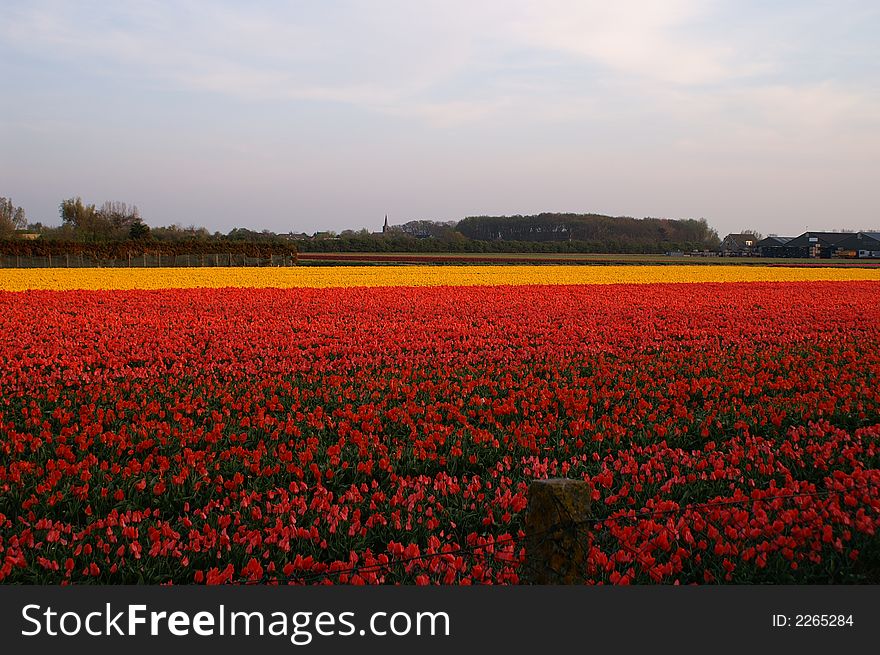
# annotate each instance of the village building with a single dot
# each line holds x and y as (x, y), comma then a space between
(860, 245)
(739, 245)
(772, 246)
(815, 244)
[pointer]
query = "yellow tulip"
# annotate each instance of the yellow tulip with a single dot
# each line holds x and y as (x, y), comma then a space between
(62, 279)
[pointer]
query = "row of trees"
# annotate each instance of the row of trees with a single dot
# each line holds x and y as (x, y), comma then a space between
(543, 233)
(119, 222)
(112, 221)
(116, 222)
(631, 234)
(116, 229)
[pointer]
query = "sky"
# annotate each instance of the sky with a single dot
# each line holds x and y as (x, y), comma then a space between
(328, 115)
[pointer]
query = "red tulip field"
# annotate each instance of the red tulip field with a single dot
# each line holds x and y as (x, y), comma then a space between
(730, 432)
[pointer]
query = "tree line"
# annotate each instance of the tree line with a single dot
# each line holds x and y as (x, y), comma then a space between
(542, 233)
(116, 229)
(646, 234)
(117, 226)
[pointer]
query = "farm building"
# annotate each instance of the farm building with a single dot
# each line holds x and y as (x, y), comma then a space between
(815, 244)
(772, 246)
(739, 245)
(862, 244)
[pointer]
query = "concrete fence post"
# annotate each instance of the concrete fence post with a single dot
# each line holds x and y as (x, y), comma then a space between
(556, 526)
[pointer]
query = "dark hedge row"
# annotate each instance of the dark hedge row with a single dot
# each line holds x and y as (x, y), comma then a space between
(122, 249)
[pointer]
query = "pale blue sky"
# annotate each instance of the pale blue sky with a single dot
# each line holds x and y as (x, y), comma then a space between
(305, 116)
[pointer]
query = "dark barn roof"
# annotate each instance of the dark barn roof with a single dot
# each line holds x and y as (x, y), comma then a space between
(739, 241)
(825, 239)
(861, 241)
(769, 242)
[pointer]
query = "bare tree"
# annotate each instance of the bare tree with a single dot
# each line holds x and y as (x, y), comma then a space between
(12, 218)
(119, 214)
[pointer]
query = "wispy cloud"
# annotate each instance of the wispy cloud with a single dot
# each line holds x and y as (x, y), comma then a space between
(390, 55)
(636, 37)
(387, 56)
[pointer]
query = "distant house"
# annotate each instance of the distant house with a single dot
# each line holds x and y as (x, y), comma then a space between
(772, 246)
(739, 245)
(27, 236)
(816, 244)
(861, 245)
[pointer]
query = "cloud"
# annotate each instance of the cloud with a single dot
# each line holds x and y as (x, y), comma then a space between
(637, 37)
(393, 49)
(448, 62)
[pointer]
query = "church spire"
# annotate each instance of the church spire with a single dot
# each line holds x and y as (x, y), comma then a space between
(385, 227)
